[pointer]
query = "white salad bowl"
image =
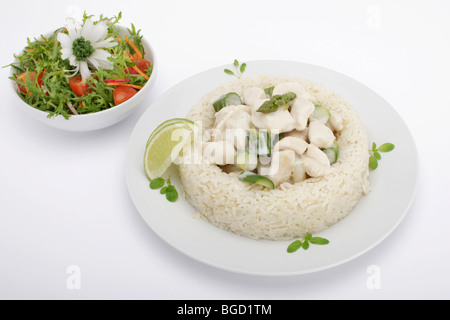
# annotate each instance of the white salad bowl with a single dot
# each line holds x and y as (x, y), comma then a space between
(97, 120)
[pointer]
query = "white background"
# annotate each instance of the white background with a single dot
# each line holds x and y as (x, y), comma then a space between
(64, 200)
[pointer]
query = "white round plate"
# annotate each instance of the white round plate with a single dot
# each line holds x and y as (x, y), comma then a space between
(393, 183)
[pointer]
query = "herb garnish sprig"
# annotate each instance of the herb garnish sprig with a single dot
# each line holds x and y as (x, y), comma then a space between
(305, 242)
(375, 153)
(240, 68)
(166, 188)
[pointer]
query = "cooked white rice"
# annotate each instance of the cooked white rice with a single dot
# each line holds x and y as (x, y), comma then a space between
(291, 210)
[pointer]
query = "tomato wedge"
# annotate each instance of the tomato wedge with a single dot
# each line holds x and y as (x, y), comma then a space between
(123, 93)
(23, 77)
(78, 86)
(142, 64)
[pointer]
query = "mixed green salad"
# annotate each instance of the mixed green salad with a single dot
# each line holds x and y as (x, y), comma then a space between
(51, 71)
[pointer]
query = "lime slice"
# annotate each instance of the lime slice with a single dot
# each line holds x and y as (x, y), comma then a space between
(164, 145)
(166, 123)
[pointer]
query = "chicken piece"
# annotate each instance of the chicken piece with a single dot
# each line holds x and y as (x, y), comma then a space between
(275, 122)
(298, 134)
(301, 110)
(263, 166)
(231, 124)
(291, 143)
(318, 155)
(294, 87)
(320, 135)
(315, 162)
(247, 108)
(299, 172)
(281, 166)
(263, 169)
(252, 96)
(299, 146)
(257, 103)
(219, 152)
(233, 117)
(336, 121)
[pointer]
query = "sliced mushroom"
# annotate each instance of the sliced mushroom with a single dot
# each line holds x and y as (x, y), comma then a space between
(320, 135)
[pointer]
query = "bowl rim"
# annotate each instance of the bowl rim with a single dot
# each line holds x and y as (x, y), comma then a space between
(147, 86)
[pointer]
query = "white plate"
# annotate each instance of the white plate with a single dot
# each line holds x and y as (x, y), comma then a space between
(374, 218)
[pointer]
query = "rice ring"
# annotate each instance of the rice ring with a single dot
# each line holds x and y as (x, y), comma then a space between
(291, 210)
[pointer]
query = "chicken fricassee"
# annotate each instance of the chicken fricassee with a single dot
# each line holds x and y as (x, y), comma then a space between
(273, 135)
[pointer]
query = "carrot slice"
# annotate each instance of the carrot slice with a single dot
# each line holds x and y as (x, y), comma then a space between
(140, 72)
(117, 80)
(137, 52)
(124, 84)
(132, 45)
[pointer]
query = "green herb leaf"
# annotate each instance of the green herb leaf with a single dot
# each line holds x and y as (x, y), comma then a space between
(319, 241)
(294, 246)
(169, 190)
(305, 243)
(377, 155)
(157, 183)
(228, 71)
(171, 193)
(386, 147)
(373, 163)
(164, 190)
(242, 69)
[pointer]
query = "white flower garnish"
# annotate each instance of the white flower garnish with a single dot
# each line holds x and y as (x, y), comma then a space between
(83, 47)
